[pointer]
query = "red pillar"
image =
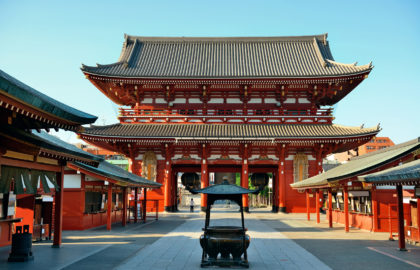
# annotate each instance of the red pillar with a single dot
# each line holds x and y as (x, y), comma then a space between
(374, 209)
(282, 179)
(330, 213)
(245, 178)
(136, 194)
(418, 214)
(317, 206)
(400, 209)
(308, 205)
(58, 213)
(124, 216)
(204, 178)
(346, 208)
(144, 204)
(168, 184)
(109, 208)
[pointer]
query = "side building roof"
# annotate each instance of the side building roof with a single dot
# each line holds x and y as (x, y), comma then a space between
(111, 171)
(103, 167)
(226, 57)
(408, 174)
(359, 165)
(65, 116)
(52, 147)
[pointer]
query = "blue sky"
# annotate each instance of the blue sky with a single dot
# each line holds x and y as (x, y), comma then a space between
(43, 44)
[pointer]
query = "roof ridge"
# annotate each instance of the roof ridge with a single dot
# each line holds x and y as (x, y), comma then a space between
(309, 38)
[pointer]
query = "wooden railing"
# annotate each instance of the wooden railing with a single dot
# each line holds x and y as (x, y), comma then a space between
(135, 115)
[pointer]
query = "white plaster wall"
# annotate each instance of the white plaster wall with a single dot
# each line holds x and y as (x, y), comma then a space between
(233, 101)
(255, 100)
(303, 100)
(179, 100)
(194, 101)
(270, 100)
(147, 100)
(160, 101)
(72, 181)
(215, 100)
(290, 100)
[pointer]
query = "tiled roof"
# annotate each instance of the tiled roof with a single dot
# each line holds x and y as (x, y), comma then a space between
(229, 131)
(234, 57)
(114, 172)
(54, 143)
(21, 92)
(361, 164)
(45, 142)
(408, 172)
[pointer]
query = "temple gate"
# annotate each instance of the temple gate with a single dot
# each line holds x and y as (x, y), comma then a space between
(239, 105)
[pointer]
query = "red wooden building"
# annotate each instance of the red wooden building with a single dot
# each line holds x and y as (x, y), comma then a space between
(408, 215)
(98, 195)
(32, 166)
(357, 204)
(242, 104)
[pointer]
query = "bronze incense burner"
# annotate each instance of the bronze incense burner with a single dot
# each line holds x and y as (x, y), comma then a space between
(224, 245)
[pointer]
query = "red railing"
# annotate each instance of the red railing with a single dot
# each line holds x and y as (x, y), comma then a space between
(128, 115)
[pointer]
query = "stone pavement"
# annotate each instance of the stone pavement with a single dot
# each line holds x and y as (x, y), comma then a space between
(278, 241)
(95, 248)
(180, 249)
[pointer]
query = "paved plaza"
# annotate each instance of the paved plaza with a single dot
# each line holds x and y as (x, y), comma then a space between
(278, 241)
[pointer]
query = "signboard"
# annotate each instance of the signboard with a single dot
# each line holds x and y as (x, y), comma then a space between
(11, 205)
(359, 193)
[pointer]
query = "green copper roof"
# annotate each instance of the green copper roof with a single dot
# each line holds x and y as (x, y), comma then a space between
(54, 143)
(359, 165)
(114, 172)
(46, 141)
(406, 173)
(26, 94)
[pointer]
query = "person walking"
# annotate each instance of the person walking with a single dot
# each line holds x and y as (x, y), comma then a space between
(192, 205)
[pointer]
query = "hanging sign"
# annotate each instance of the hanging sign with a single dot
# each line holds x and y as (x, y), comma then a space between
(12, 204)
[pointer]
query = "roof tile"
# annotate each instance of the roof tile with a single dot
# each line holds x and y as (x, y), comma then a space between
(241, 57)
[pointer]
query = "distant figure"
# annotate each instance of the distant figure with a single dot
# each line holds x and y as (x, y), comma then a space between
(192, 205)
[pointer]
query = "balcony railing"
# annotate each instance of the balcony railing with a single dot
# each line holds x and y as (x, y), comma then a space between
(135, 115)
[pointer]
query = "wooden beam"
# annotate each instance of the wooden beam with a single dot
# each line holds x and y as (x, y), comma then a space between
(29, 165)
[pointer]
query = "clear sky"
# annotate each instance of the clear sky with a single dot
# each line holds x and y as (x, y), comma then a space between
(43, 44)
